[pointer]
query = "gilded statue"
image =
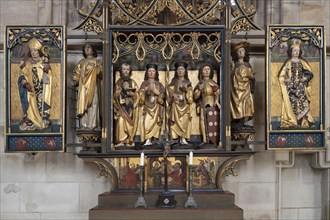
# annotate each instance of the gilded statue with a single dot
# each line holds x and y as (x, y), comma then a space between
(180, 98)
(125, 102)
(35, 88)
(242, 79)
(295, 82)
(207, 97)
(87, 76)
(152, 95)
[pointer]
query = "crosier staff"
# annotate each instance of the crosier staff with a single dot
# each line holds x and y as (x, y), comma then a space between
(45, 80)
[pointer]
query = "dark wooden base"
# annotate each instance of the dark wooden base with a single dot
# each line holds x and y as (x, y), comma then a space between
(210, 205)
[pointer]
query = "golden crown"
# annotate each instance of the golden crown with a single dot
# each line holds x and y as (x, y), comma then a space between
(295, 42)
(243, 44)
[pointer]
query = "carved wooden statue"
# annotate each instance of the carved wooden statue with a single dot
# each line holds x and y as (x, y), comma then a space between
(180, 98)
(125, 102)
(294, 78)
(87, 76)
(152, 94)
(35, 88)
(241, 100)
(207, 97)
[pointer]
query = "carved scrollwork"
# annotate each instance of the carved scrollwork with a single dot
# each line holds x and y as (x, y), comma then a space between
(106, 170)
(23, 35)
(227, 168)
(91, 18)
(166, 12)
(151, 13)
(168, 43)
(243, 17)
(185, 12)
(283, 34)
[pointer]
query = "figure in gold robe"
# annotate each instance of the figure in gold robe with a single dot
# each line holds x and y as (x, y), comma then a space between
(241, 100)
(207, 98)
(294, 79)
(152, 94)
(87, 76)
(180, 98)
(125, 102)
(35, 88)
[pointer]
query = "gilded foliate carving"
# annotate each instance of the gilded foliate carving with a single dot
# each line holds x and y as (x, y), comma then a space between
(243, 17)
(22, 35)
(89, 137)
(241, 25)
(169, 12)
(284, 34)
(168, 43)
(91, 17)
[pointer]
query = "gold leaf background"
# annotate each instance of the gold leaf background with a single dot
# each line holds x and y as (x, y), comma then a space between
(276, 96)
(138, 77)
(16, 112)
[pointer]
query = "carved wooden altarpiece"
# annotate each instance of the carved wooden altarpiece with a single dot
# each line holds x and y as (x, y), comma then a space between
(162, 33)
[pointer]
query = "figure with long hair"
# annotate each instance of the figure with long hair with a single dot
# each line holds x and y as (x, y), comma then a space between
(295, 82)
(87, 76)
(241, 100)
(152, 95)
(180, 98)
(207, 98)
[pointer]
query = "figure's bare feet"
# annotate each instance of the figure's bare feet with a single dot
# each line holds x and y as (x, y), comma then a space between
(120, 144)
(183, 141)
(148, 142)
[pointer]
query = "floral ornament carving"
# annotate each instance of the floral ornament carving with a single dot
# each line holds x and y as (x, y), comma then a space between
(243, 17)
(284, 34)
(147, 12)
(22, 35)
(183, 12)
(177, 13)
(91, 18)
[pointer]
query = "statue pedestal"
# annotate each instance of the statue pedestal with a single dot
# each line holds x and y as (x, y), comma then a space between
(240, 138)
(89, 138)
